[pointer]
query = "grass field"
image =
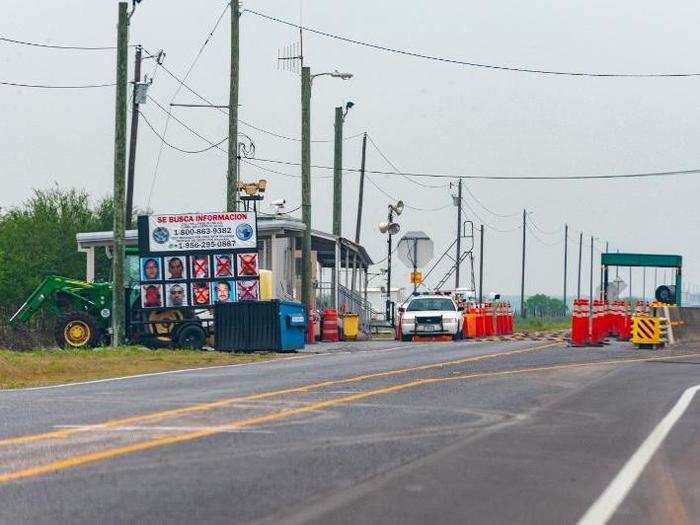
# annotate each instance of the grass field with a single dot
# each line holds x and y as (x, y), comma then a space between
(45, 367)
(534, 324)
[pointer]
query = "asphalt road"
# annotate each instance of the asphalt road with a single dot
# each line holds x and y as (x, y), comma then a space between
(508, 432)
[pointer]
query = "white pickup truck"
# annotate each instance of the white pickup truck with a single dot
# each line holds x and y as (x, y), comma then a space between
(431, 315)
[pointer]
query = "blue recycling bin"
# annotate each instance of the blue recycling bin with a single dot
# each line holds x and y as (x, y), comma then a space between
(247, 326)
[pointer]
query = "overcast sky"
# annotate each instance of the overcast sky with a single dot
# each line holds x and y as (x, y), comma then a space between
(426, 116)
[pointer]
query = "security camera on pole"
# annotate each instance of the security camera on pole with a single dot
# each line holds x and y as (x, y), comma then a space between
(391, 228)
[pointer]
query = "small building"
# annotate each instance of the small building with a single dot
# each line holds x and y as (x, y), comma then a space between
(279, 250)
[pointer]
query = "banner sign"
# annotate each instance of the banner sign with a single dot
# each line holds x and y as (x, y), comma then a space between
(190, 232)
(198, 260)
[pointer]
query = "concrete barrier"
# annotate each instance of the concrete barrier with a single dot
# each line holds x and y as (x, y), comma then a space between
(689, 327)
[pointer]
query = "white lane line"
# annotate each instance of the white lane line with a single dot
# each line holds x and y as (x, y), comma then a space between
(605, 506)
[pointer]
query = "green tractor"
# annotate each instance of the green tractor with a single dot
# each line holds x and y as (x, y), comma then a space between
(83, 313)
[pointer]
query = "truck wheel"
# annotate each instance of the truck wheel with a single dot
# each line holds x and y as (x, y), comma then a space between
(191, 336)
(76, 330)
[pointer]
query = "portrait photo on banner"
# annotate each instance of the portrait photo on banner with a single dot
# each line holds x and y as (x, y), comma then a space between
(199, 266)
(223, 291)
(223, 265)
(176, 294)
(175, 267)
(151, 296)
(151, 269)
(247, 264)
(201, 293)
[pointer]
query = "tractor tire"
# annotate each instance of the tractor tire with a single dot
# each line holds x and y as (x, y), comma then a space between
(191, 336)
(77, 330)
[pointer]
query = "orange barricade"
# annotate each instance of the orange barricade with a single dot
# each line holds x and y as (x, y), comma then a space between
(480, 327)
(471, 322)
(329, 326)
(488, 320)
(598, 323)
(579, 323)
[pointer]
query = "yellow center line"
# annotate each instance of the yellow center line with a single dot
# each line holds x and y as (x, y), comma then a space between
(78, 460)
(203, 407)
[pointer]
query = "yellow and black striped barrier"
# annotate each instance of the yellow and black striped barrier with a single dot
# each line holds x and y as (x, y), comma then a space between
(646, 331)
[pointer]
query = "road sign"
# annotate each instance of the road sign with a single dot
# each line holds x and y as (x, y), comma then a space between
(416, 277)
(415, 249)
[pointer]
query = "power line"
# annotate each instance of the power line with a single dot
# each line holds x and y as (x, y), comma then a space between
(463, 62)
(543, 231)
(490, 226)
(390, 163)
(395, 199)
(244, 122)
(503, 177)
(176, 148)
(494, 213)
(57, 46)
(53, 86)
(540, 240)
(177, 91)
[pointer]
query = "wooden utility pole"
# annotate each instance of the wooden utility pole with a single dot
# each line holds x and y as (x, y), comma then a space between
(360, 199)
(566, 253)
(522, 274)
(119, 174)
(306, 263)
(459, 233)
(338, 174)
(580, 250)
(481, 265)
(133, 141)
(232, 174)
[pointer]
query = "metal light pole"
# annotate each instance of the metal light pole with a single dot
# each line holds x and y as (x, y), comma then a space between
(307, 263)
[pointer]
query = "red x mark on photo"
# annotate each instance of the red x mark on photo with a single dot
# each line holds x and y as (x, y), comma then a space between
(200, 268)
(247, 290)
(248, 264)
(201, 294)
(223, 266)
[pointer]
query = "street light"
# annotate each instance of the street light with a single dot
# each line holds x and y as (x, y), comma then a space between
(306, 82)
(392, 228)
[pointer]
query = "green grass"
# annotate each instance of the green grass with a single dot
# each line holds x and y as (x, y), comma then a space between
(533, 324)
(44, 367)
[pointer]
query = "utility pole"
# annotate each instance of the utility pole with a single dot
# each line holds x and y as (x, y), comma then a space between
(590, 290)
(580, 251)
(306, 263)
(338, 173)
(481, 265)
(119, 174)
(522, 275)
(132, 142)
(389, 313)
(566, 254)
(459, 233)
(360, 199)
(232, 174)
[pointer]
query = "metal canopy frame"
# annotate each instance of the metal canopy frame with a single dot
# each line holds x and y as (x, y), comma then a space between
(643, 260)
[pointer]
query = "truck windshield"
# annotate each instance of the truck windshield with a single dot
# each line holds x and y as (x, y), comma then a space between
(430, 303)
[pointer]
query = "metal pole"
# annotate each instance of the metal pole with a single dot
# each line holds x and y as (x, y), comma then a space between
(590, 289)
(459, 233)
(118, 299)
(481, 265)
(522, 275)
(338, 173)
(132, 141)
(630, 290)
(566, 254)
(644, 284)
(232, 174)
(306, 263)
(389, 316)
(580, 251)
(415, 264)
(361, 195)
